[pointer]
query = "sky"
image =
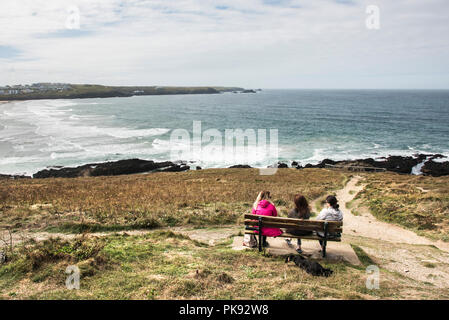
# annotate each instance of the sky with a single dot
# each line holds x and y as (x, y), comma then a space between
(250, 43)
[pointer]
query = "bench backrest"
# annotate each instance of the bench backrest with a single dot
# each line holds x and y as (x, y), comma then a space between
(252, 220)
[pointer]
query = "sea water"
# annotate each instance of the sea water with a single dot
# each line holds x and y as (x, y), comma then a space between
(312, 125)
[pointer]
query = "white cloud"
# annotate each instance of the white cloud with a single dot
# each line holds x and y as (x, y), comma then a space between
(319, 43)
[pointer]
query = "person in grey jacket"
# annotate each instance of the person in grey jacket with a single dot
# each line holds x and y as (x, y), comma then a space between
(332, 212)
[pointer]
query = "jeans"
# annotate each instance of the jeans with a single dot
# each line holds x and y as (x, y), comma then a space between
(264, 240)
(298, 241)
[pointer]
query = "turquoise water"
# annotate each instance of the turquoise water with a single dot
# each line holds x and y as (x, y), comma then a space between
(312, 125)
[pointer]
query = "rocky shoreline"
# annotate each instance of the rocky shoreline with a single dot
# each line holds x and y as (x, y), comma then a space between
(398, 164)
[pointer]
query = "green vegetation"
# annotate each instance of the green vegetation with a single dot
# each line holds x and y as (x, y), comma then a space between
(197, 198)
(99, 91)
(429, 265)
(363, 257)
(166, 265)
(162, 264)
(419, 203)
(353, 206)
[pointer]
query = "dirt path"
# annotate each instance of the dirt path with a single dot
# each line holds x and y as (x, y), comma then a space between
(366, 225)
(394, 248)
(211, 235)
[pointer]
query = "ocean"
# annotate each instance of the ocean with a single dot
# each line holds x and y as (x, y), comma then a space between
(312, 125)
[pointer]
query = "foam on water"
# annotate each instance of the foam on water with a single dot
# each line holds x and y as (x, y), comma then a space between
(358, 124)
(51, 131)
(441, 159)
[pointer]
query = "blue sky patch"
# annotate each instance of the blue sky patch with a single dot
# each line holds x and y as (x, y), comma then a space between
(347, 2)
(66, 33)
(8, 52)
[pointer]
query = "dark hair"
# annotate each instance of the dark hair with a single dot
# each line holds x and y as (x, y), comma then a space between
(302, 206)
(265, 195)
(333, 202)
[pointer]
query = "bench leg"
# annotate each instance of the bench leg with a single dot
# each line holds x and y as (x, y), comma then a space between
(324, 248)
(326, 232)
(260, 234)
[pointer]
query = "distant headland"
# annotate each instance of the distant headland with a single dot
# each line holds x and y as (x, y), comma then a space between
(74, 91)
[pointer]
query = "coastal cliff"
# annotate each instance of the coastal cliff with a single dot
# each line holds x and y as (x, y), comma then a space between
(75, 91)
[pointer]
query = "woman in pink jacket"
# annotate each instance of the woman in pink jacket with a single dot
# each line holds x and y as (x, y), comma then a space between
(264, 207)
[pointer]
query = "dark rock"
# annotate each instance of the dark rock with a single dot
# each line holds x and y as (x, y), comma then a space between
(282, 165)
(437, 156)
(248, 91)
(240, 166)
(323, 163)
(13, 177)
(120, 167)
(397, 164)
(421, 157)
(435, 169)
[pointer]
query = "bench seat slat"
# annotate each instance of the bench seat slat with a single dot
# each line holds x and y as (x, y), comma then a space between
(300, 226)
(318, 223)
(309, 237)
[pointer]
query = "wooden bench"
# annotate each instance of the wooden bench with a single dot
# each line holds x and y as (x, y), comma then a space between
(254, 223)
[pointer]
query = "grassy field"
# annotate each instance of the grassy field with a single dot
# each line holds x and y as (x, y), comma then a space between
(205, 197)
(418, 203)
(163, 264)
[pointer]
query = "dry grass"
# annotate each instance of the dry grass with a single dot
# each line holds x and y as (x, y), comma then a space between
(417, 202)
(206, 197)
(164, 265)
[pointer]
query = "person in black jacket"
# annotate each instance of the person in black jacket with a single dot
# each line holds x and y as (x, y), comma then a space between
(300, 211)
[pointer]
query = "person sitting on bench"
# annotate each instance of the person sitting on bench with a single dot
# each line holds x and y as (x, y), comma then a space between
(301, 211)
(330, 213)
(263, 206)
